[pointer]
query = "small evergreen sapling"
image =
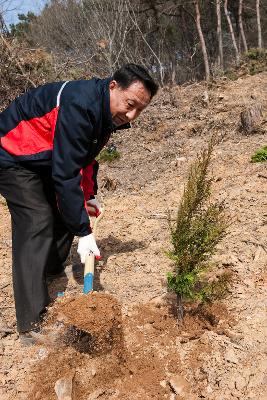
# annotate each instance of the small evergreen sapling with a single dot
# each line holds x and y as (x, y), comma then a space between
(199, 226)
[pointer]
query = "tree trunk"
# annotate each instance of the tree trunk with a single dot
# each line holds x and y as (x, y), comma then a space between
(251, 118)
(3, 27)
(219, 32)
(202, 42)
(259, 24)
(180, 309)
(231, 29)
(240, 23)
(173, 73)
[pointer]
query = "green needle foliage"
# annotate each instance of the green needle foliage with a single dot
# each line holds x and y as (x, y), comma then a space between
(260, 155)
(198, 228)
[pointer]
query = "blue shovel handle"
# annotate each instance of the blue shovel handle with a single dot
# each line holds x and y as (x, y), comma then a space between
(88, 283)
(89, 268)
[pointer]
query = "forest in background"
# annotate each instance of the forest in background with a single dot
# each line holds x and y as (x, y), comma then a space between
(179, 41)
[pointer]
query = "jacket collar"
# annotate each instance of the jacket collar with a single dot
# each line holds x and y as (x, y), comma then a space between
(106, 104)
(107, 117)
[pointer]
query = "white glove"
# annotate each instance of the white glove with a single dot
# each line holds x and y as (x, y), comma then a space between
(87, 245)
(93, 207)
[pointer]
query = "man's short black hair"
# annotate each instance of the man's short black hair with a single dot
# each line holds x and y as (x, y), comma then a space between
(130, 73)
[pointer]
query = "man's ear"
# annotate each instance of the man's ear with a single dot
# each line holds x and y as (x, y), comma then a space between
(113, 84)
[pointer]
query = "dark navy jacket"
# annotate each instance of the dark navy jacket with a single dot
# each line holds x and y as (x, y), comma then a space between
(65, 125)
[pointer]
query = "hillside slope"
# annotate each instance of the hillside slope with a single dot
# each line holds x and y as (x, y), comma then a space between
(219, 356)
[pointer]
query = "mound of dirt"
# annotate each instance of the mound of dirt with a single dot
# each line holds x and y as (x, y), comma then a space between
(94, 313)
(93, 322)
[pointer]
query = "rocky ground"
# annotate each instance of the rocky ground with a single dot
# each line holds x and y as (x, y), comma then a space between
(218, 354)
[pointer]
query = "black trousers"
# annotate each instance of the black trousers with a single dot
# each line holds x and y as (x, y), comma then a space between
(40, 240)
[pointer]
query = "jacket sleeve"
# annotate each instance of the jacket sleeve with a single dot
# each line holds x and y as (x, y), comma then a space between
(73, 137)
(89, 180)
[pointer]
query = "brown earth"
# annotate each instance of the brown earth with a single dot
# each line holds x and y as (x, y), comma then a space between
(123, 342)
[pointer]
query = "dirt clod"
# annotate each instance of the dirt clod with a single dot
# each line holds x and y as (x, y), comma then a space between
(93, 323)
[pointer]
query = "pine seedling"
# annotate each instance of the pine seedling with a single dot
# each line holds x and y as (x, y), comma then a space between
(198, 228)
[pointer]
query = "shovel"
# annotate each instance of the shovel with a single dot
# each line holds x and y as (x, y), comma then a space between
(89, 266)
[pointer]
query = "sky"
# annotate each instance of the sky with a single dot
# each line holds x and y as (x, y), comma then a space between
(12, 8)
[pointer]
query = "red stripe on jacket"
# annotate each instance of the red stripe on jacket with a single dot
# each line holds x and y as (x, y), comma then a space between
(88, 181)
(32, 136)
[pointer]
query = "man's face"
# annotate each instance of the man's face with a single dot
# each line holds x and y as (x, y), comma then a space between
(127, 104)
